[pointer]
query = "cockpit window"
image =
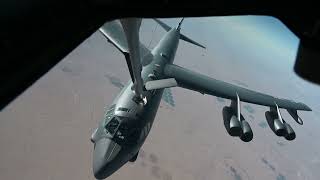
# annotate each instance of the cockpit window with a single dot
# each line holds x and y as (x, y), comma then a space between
(127, 134)
(123, 109)
(112, 125)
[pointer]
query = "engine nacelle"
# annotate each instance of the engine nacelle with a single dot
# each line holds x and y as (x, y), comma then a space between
(275, 124)
(246, 134)
(231, 122)
(290, 134)
(235, 127)
(235, 123)
(278, 125)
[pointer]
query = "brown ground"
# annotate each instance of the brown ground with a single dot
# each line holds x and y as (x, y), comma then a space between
(44, 134)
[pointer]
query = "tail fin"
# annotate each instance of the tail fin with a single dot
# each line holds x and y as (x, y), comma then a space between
(182, 37)
(179, 26)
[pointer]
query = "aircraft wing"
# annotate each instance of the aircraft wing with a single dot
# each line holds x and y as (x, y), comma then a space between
(195, 81)
(114, 33)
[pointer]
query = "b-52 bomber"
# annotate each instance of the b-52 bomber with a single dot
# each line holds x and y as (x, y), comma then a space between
(129, 118)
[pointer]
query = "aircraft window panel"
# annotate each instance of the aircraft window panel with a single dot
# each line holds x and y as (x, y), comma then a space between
(123, 109)
(127, 134)
(108, 116)
(112, 125)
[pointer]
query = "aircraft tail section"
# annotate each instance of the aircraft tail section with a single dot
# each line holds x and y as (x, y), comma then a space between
(163, 25)
(185, 38)
(182, 37)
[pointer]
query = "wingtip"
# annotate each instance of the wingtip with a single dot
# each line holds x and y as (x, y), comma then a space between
(306, 107)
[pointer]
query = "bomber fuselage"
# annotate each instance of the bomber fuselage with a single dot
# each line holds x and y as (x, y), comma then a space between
(127, 121)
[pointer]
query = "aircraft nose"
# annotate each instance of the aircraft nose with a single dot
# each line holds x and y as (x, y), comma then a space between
(105, 151)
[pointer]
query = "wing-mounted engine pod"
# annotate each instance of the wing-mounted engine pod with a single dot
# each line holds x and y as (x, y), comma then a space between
(290, 134)
(235, 123)
(275, 121)
(278, 125)
(246, 134)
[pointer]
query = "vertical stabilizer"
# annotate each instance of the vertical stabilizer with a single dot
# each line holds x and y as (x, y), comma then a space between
(179, 26)
(182, 37)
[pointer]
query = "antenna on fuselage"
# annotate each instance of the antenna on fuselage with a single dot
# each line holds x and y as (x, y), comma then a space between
(179, 26)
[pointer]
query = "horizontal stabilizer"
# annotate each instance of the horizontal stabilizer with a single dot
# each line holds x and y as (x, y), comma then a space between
(185, 38)
(159, 84)
(182, 37)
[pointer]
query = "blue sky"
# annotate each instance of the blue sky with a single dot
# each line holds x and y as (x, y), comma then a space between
(260, 45)
(256, 38)
(265, 36)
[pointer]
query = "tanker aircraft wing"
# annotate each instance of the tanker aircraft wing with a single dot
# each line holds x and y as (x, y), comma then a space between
(113, 31)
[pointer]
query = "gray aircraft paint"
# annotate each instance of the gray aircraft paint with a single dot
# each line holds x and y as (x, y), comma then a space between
(163, 53)
(113, 150)
(166, 96)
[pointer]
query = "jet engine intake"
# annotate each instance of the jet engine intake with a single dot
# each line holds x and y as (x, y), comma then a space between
(235, 123)
(275, 124)
(278, 125)
(231, 122)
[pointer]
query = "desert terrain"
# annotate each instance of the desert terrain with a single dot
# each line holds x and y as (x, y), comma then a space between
(45, 133)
